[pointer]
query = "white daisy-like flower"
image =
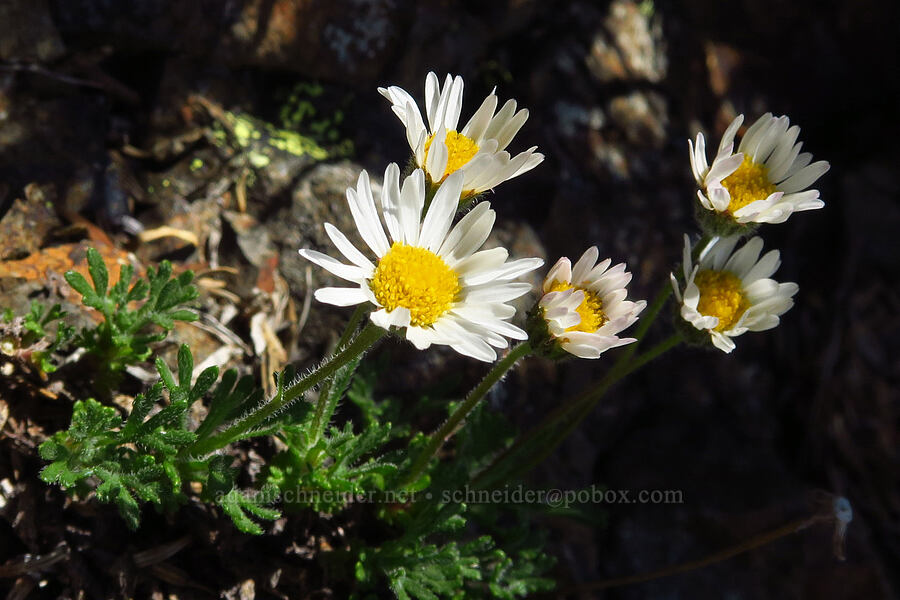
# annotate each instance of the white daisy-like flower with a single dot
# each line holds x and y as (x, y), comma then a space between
(478, 149)
(765, 181)
(728, 293)
(427, 279)
(585, 307)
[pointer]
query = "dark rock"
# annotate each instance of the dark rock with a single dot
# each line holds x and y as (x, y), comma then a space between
(27, 32)
(629, 46)
(330, 40)
(642, 118)
(25, 226)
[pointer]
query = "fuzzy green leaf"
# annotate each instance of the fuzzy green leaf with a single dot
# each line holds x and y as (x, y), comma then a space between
(185, 366)
(141, 407)
(138, 291)
(183, 315)
(119, 291)
(97, 269)
(81, 285)
(166, 374)
(237, 505)
(204, 381)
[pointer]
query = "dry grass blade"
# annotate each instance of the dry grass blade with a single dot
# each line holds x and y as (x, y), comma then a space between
(29, 563)
(160, 553)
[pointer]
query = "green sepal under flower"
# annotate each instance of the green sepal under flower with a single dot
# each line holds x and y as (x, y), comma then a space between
(543, 343)
(716, 224)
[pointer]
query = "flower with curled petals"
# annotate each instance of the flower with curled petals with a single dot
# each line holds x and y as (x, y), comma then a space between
(478, 150)
(728, 292)
(429, 280)
(765, 181)
(584, 307)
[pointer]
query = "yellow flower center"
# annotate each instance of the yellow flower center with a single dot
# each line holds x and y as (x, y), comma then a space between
(748, 184)
(590, 309)
(722, 296)
(417, 279)
(460, 150)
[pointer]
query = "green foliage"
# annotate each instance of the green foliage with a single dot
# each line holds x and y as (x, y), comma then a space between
(125, 462)
(30, 336)
(155, 455)
(485, 434)
(430, 560)
(142, 458)
(237, 504)
(323, 466)
(325, 475)
(311, 111)
(123, 338)
(436, 554)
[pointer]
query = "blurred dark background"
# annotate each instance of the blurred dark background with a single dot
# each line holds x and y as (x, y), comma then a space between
(614, 90)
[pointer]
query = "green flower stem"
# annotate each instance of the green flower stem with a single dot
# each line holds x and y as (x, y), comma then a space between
(698, 247)
(449, 427)
(646, 320)
(532, 448)
(362, 342)
(323, 415)
(589, 399)
(352, 324)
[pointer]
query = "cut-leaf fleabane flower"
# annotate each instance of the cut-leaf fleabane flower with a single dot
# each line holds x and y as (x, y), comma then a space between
(584, 306)
(478, 150)
(728, 293)
(428, 279)
(765, 181)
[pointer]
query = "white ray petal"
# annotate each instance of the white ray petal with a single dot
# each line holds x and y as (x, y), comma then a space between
(334, 266)
(399, 317)
(347, 248)
(432, 98)
(508, 271)
(804, 177)
(390, 201)
(496, 293)
(477, 125)
(744, 259)
(512, 127)
(362, 208)
(412, 199)
(469, 234)
(441, 212)
(341, 296)
(500, 119)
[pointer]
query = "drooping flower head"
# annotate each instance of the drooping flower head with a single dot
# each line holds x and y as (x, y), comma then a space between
(478, 150)
(584, 307)
(427, 279)
(765, 181)
(728, 293)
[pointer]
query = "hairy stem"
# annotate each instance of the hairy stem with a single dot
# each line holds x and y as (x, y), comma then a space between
(646, 320)
(366, 338)
(446, 431)
(322, 415)
(534, 446)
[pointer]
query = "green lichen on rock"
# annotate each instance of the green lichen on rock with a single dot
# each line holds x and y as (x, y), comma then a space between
(318, 115)
(260, 140)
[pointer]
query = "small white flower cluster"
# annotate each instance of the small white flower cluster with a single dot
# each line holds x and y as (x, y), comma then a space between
(430, 279)
(724, 292)
(427, 277)
(765, 181)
